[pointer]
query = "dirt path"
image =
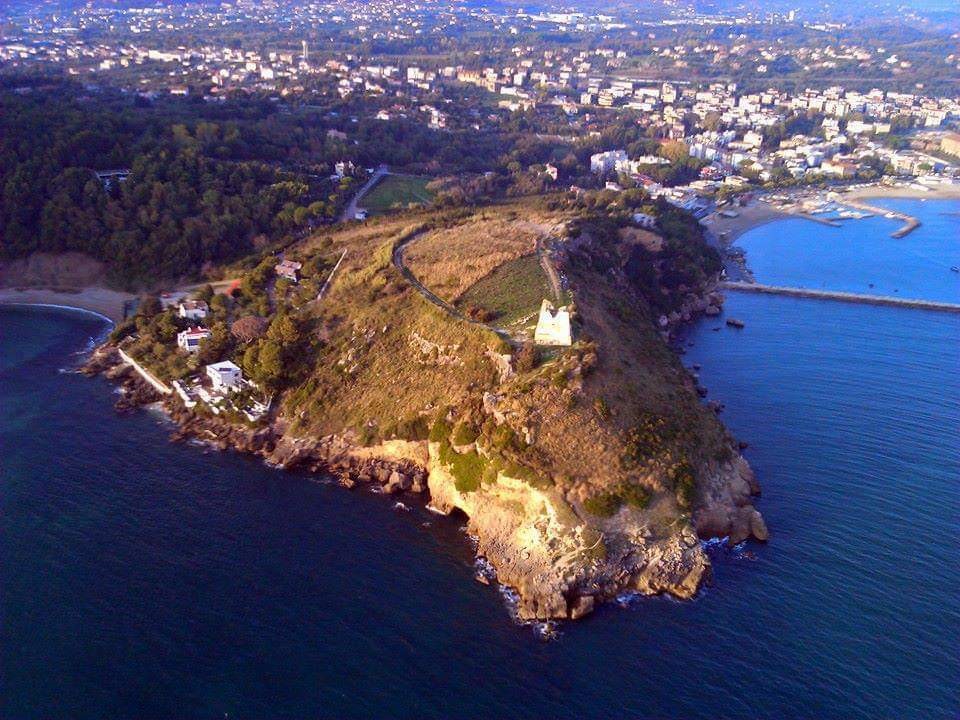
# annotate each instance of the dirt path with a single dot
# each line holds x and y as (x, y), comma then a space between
(432, 297)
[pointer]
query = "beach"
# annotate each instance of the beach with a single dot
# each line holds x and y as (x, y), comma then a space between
(105, 302)
(759, 213)
(748, 217)
(937, 192)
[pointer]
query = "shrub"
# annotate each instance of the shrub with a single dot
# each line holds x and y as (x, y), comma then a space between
(412, 428)
(249, 328)
(366, 435)
(440, 430)
(467, 470)
(504, 438)
(464, 434)
(636, 495)
(528, 475)
(528, 357)
(603, 505)
(603, 410)
(685, 485)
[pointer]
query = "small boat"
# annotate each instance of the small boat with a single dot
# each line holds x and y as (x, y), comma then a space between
(954, 268)
(734, 322)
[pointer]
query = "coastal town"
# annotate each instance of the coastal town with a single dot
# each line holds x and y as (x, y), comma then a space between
(694, 139)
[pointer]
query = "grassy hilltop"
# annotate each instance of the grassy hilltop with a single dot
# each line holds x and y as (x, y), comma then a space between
(423, 340)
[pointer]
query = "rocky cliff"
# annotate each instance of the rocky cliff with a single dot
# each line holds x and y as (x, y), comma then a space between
(585, 471)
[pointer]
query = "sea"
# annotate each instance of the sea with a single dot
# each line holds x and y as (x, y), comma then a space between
(145, 579)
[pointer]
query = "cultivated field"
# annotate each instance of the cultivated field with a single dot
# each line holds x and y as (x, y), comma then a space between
(512, 292)
(450, 260)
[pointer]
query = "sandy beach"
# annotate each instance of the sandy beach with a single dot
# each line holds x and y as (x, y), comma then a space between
(95, 299)
(937, 192)
(729, 229)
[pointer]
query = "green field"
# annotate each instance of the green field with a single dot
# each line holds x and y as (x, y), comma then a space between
(513, 291)
(396, 190)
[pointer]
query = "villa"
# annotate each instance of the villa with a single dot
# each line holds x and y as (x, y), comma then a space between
(193, 309)
(224, 375)
(189, 339)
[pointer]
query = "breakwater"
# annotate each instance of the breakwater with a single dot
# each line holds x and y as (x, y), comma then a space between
(910, 223)
(842, 296)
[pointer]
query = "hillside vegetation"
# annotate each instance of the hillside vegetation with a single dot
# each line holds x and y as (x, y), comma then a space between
(569, 454)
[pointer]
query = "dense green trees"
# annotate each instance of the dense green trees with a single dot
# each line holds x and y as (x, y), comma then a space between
(196, 193)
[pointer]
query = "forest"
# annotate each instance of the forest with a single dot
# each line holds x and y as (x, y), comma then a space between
(199, 190)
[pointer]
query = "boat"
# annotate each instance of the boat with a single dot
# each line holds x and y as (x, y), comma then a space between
(954, 268)
(734, 322)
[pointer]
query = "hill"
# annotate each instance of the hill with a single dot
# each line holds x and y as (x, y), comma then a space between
(585, 470)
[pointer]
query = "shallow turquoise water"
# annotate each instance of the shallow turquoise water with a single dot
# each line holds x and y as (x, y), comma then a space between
(144, 579)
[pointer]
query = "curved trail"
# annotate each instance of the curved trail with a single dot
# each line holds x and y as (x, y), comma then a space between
(397, 259)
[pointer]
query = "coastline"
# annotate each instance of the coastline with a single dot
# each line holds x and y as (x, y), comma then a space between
(107, 304)
(727, 230)
(758, 213)
(940, 192)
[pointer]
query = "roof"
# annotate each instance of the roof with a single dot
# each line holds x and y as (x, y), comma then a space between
(223, 366)
(196, 331)
(194, 305)
(289, 265)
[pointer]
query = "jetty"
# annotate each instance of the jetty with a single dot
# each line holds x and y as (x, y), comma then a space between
(910, 223)
(863, 299)
(823, 221)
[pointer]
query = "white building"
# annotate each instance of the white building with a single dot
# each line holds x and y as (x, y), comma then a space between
(189, 339)
(224, 375)
(607, 162)
(553, 325)
(193, 309)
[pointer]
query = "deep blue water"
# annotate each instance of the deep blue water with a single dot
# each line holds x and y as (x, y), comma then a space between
(800, 253)
(144, 579)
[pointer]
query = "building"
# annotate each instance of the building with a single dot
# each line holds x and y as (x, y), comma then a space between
(224, 375)
(189, 339)
(193, 309)
(950, 144)
(645, 221)
(605, 163)
(553, 326)
(289, 269)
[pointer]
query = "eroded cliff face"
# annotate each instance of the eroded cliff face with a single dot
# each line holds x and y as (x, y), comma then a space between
(560, 564)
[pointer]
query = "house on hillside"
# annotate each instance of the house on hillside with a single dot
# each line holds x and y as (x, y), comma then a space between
(553, 326)
(289, 269)
(193, 309)
(189, 339)
(224, 375)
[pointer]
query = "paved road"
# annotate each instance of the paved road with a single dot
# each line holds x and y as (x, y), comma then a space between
(350, 212)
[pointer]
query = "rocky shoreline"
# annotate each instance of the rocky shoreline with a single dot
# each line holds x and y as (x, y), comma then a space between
(550, 568)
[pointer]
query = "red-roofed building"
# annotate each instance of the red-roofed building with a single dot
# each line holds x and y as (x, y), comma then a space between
(189, 339)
